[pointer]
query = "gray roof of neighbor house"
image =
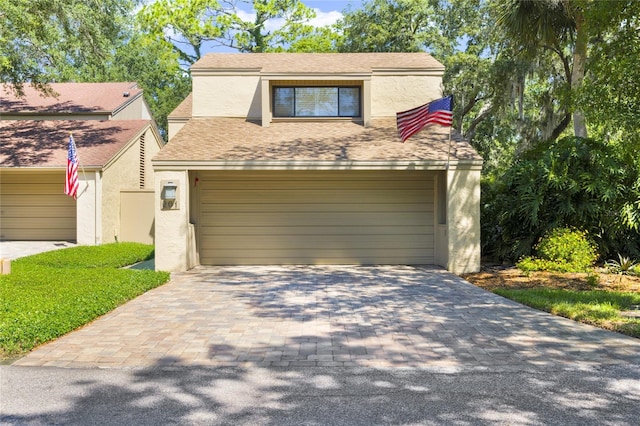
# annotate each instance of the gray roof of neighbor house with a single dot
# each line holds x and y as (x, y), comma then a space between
(70, 98)
(235, 139)
(312, 63)
(42, 143)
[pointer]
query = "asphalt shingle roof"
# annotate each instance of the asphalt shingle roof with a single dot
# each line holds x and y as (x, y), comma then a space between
(301, 63)
(71, 98)
(234, 139)
(30, 143)
(185, 108)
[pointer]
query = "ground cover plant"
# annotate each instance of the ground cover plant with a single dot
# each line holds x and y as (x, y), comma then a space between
(49, 294)
(600, 298)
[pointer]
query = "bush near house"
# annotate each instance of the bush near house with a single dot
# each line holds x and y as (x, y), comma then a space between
(588, 184)
(561, 250)
(50, 294)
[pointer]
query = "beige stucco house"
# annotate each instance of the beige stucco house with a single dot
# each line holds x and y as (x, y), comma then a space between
(116, 140)
(295, 159)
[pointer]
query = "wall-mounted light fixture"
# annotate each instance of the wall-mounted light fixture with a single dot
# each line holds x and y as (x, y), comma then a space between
(169, 195)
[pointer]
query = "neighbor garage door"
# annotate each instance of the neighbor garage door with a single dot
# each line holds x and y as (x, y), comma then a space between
(34, 207)
(321, 217)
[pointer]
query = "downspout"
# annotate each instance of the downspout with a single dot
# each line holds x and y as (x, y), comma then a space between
(98, 212)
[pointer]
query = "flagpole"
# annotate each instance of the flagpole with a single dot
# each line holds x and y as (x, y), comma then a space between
(449, 151)
(75, 148)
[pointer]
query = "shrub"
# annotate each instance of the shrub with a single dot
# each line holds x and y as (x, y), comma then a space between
(572, 182)
(561, 250)
(623, 266)
(571, 246)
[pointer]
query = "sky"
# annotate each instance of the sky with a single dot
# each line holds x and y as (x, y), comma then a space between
(327, 11)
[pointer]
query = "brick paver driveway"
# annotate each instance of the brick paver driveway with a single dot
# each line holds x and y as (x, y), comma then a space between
(381, 316)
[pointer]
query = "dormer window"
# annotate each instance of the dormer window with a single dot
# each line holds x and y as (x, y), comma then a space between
(322, 101)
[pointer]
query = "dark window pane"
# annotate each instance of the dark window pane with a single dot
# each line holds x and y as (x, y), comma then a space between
(349, 102)
(283, 102)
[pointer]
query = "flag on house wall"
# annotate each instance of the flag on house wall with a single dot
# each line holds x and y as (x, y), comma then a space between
(436, 112)
(71, 181)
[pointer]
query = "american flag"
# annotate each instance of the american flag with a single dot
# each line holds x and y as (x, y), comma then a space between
(436, 112)
(71, 181)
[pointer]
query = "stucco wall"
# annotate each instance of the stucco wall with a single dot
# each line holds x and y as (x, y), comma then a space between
(135, 110)
(122, 174)
(395, 93)
(152, 147)
(88, 228)
(172, 226)
(174, 127)
(463, 220)
(227, 96)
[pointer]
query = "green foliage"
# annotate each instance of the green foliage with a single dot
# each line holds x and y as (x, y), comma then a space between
(530, 264)
(115, 255)
(570, 246)
(389, 26)
(573, 182)
(623, 266)
(50, 294)
(600, 308)
(189, 26)
(41, 40)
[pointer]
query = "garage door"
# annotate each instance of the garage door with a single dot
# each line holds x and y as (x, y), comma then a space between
(34, 207)
(322, 217)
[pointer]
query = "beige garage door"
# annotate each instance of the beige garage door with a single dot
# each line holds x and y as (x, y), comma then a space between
(322, 217)
(34, 207)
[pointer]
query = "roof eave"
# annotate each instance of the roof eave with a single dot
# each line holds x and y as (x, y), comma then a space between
(160, 165)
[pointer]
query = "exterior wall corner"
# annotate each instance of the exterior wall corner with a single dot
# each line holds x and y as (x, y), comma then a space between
(463, 220)
(172, 225)
(88, 210)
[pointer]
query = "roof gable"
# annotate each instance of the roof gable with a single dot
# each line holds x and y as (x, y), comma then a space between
(71, 98)
(30, 143)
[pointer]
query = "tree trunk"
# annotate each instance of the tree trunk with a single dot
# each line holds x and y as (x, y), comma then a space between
(577, 76)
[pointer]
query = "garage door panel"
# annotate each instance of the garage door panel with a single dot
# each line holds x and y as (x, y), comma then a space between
(298, 196)
(301, 217)
(310, 185)
(317, 207)
(212, 231)
(33, 188)
(42, 200)
(33, 206)
(303, 242)
(316, 219)
(38, 234)
(46, 213)
(314, 257)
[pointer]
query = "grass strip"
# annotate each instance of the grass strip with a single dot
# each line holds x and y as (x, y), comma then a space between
(599, 308)
(50, 294)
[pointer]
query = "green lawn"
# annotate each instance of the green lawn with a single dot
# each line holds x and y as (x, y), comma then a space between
(599, 308)
(50, 294)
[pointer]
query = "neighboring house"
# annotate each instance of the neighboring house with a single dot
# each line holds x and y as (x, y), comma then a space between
(288, 158)
(76, 101)
(116, 141)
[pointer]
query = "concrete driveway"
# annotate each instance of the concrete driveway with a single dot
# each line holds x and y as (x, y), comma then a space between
(332, 316)
(15, 249)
